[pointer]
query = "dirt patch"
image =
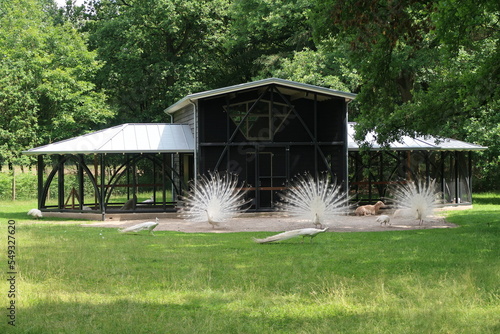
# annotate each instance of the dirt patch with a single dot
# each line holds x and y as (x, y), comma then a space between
(278, 222)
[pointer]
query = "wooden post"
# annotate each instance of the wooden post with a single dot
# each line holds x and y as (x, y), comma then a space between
(457, 179)
(13, 183)
(96, 178)
(60, 182)
(164, 180)
(408, 166)
(103, 188)
(40, 169)
(81, 183)
(443, 177)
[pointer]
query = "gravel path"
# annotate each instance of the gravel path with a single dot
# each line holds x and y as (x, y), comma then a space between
(277, 222)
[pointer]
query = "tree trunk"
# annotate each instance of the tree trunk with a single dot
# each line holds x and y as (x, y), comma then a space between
(405, 83)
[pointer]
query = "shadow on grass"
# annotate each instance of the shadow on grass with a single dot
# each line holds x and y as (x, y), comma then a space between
(17, 215)
(487, 200)
(213, 314)
(23, 216)
(489, 219)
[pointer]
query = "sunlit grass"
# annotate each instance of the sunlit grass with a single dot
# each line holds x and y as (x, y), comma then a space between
(76, 279)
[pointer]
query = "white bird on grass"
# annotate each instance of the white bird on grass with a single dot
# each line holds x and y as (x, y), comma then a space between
(150, 226)
(303, 232)
(35, 213)
(417, 198)
(314, 199)
(214, 198)
(384, 219)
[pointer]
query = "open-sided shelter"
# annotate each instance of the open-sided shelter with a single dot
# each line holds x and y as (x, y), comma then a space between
(104, 171)
(373, 171)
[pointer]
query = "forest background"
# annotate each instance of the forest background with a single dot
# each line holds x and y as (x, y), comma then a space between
(418, 67)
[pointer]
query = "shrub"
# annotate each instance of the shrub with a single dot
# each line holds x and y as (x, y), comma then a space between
(25, 186)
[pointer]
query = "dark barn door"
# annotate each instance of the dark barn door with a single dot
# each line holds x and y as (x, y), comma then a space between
(267, 170)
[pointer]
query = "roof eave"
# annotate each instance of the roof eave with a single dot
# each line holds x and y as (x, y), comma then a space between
(482, 148)
(104, 152)
(249, 85)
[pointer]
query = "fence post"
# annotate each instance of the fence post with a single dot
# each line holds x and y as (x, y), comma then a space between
(13, 183)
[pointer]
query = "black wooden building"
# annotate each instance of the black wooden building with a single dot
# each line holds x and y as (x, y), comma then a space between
(267, 131)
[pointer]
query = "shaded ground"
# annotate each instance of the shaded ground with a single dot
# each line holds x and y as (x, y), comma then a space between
(277, 222)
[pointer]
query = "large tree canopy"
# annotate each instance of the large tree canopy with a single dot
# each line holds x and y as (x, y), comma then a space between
(46, 73)
(261, 34)
(427, 67)
(155, 51)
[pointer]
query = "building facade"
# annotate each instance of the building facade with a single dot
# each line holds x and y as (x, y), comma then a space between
(267, 132)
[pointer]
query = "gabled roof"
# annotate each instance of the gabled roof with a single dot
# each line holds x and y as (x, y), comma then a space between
(407, 143)
(126, 138)
(255, 84)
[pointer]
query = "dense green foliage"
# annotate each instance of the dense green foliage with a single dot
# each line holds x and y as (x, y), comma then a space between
(23, 185)
(46, 80)
(155, 52)
(427, 67)
(423, 67)
(75, 279)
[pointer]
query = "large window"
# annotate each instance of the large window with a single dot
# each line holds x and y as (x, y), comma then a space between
(264, 120)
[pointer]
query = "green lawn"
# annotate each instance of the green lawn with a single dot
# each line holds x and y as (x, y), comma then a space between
(73, 279)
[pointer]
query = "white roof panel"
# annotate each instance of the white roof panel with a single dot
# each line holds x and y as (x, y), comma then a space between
(126, 138)
(178, 138)
(407, 143)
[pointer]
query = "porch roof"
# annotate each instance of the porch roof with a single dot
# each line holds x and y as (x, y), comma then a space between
(126, 138)
(406, 143)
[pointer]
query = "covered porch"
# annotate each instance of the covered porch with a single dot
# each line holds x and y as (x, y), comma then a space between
(373, 171)
(129, 168)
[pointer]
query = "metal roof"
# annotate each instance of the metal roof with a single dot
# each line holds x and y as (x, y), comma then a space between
(407, 143)
(255, 84)
(178, 138)
(126, 138)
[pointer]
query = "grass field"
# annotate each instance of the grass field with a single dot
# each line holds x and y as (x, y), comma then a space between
(72, 279)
